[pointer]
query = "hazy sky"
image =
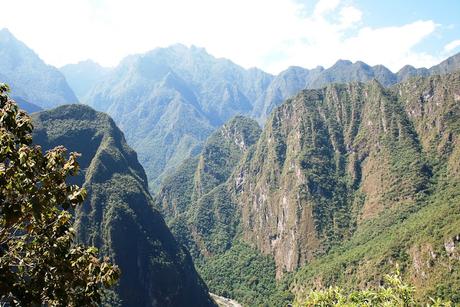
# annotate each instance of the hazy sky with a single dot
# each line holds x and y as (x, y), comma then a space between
(269, 34)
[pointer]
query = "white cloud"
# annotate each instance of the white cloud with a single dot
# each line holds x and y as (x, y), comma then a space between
(452, 45)
(325, 6)
(349, 16)
(271, 34)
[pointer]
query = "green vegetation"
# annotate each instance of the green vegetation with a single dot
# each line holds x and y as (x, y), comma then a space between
(195, 199)
(39, 262)
(394, 293)
(118, 215)
(422, 233)
(342, 183)
(242, 273)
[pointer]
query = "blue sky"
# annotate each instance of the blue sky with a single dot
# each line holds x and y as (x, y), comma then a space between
(446, 13)
(269, 34)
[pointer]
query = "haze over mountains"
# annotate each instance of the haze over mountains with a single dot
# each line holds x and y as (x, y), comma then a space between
(83, 75)
(356, 168)
(32, 81)
(169, 100)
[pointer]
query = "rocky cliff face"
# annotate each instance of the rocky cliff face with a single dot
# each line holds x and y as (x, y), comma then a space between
(327, 160)
(421, 236)
(341, 183)
(118, 214)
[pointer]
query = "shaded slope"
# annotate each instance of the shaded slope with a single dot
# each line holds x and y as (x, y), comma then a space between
(118, 214)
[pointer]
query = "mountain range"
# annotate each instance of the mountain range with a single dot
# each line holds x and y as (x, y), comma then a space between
(118, 215)
(354, 172)
(169, 100)
(35, 85)
(343, 182)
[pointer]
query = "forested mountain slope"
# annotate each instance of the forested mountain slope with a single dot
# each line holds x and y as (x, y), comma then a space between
(118, 215)
(344, 182)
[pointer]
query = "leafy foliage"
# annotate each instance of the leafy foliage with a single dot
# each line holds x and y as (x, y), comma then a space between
(394, 293)
(38, 261)
(246, 275)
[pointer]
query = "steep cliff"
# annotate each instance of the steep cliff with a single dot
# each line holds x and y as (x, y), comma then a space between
(424, 238)
(118, 214)
(195, 201)
(327, 160)
(343, 183)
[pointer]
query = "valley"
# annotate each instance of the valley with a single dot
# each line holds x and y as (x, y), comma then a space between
(211, 184)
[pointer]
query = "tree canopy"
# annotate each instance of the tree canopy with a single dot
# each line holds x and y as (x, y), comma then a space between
(39, 260)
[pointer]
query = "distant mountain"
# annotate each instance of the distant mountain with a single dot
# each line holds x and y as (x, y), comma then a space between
(447, 66)
(169, 100)
(343, 182)
(291, 81)
(27, 106)
(29, 77)
(118, 215)
(83, 76)
(286, 84)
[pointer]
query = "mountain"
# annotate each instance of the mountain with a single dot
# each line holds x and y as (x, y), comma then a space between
(284, 85)
(343, 183)
(192, 199)
(424, 238)
(83, 76)
(327, 161)
(199, 208)
(449, 65)
(29, 77)
(169, 100)
(118, 215)
(345, 71)
(293, 80)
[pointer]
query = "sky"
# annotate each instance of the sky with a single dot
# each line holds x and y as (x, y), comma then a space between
(268, 34)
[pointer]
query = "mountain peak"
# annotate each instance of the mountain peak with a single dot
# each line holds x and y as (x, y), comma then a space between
(5, 33)
(29, 77)
(6, 37)
(341, 63)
